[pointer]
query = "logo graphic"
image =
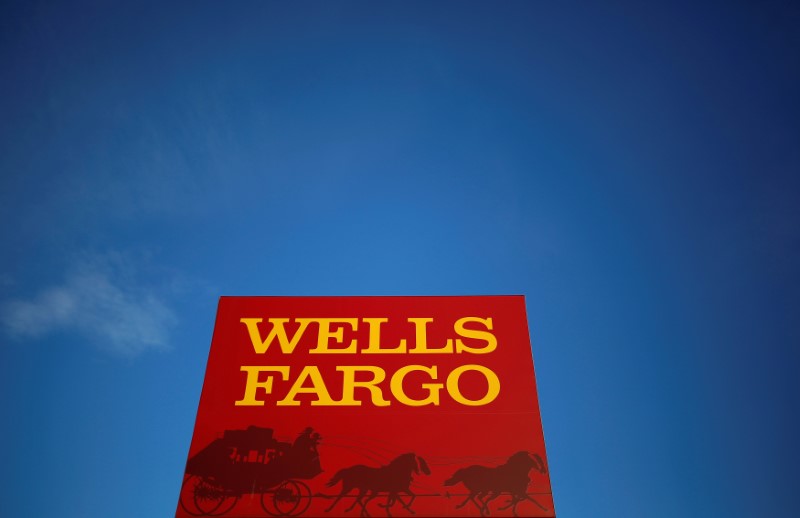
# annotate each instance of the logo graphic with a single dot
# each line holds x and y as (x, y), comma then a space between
(365, 406)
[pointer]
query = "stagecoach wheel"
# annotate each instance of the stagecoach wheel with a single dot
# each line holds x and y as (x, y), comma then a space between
(305, 497)
(291, 498)
(225, 506)
(187, 495)
(202, 497)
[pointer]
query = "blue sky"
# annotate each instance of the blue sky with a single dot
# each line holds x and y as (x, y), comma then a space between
(633, 171)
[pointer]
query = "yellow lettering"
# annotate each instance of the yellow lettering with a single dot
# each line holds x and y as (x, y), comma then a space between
(310, 372)
(326, 334)
(433, 388)
(476, 334)
(252, 384)
(491, 379)
(421, 345)
(349, 384)
(374, 346)
(261, 346)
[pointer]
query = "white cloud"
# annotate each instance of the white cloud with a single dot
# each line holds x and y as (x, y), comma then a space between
(103, 301)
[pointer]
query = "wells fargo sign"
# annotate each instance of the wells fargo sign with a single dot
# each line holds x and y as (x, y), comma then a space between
(359, 406)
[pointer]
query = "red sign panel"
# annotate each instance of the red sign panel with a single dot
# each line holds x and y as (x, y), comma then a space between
(360, 406)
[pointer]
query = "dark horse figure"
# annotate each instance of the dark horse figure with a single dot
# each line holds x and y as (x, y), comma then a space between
(392, 479)
(485, 484)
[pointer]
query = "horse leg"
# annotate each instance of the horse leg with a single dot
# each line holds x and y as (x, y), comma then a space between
(540, 506)
(483, 506)
(357, 501)
(509, 504)
(484, 499)
(514, 507)
(395, 497)
(407, 506)
(491, 496)
(462, 504)
(345, 490)
(391, 498)
(515, 499)
(372, 494)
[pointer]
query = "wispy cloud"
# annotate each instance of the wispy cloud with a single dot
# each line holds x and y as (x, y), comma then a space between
(102, 299)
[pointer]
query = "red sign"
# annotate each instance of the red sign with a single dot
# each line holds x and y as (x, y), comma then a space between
(360, 406)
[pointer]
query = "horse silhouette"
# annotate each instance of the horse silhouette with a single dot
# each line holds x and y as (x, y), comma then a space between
(392, 479)
(485, 483)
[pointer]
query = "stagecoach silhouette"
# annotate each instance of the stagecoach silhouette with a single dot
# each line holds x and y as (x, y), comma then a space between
(251, 461)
